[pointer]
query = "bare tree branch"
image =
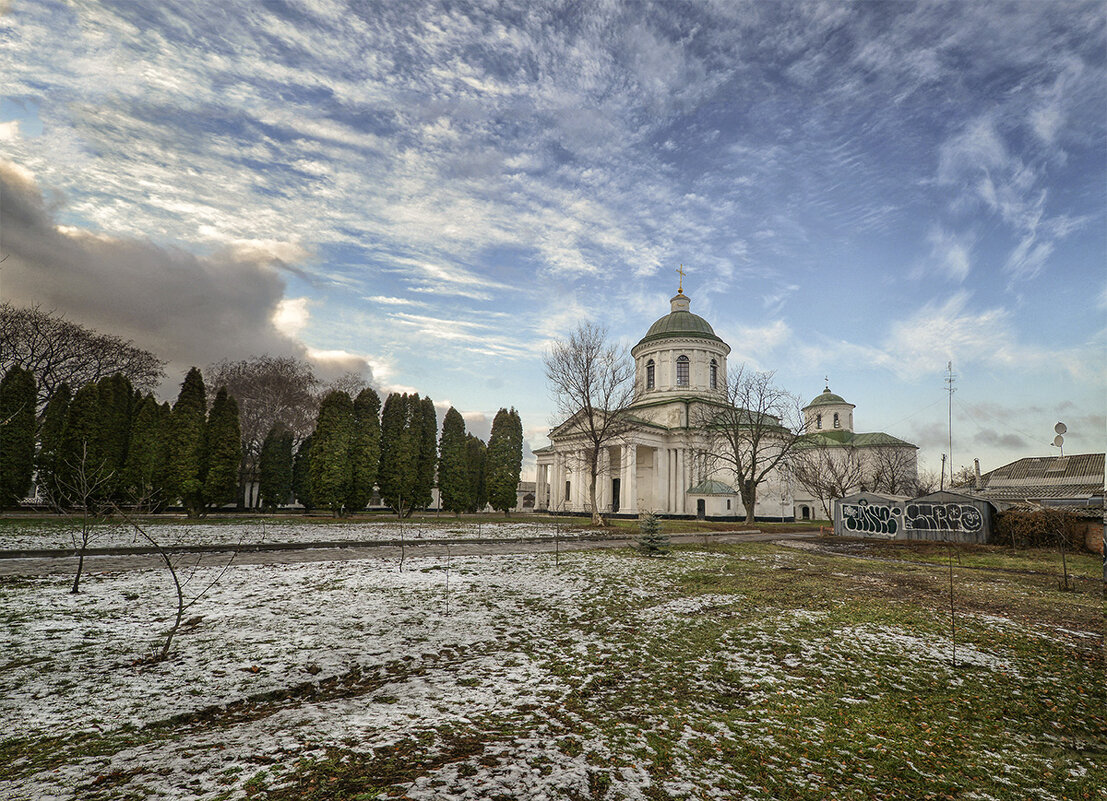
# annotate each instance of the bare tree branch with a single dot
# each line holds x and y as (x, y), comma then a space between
(58, 351)
(751, 431)
(592, 383)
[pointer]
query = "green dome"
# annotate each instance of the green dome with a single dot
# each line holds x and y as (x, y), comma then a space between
(828, 398)
(680, 324)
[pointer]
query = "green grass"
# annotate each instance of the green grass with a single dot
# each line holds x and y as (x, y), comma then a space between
(799, 676)
(1047, 560)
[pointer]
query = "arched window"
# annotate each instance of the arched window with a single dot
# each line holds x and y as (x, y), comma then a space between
(649, 374)
(818, 421)
(682, 371)
(837, 424)
(714, 374)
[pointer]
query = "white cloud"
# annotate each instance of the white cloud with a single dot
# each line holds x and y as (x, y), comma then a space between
(292, 315)
(950, 254)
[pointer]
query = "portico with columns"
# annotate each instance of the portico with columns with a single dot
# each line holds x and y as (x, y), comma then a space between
(658, 455)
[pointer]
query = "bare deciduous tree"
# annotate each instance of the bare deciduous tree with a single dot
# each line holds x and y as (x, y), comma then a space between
(269, 390)
(827, 472)
(925, 483)
(58, 351)
(82, 488)
(592, 382)
(184, 600)
(892, 470)
(752, 430)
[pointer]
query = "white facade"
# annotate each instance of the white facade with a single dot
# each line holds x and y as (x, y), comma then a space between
(653, 466)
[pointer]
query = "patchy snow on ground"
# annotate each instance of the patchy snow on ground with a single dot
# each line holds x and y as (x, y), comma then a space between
(508, 675)
(55, 534)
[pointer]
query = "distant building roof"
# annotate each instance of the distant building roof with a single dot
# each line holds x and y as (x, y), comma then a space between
(1045, 478)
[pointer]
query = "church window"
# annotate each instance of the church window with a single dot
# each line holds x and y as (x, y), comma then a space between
(714, 374)
(837, 423)
(818, 421)
(682, 371)
(567, 488)
(649, 374)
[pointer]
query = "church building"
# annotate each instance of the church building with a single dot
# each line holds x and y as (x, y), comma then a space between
(659, 462)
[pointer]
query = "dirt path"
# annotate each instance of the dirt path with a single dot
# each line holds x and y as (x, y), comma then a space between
(42, 566)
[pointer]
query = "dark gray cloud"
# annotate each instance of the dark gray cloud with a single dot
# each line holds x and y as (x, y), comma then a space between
(187, 308)
(990, 438)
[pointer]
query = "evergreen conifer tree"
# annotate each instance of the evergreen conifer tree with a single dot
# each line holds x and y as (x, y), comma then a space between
(399, 452)
(50, 443)
(115, 405)
(187, 460)
(17, 435)
(365, 449)
(329, 466)
(144, 470)
(505, 460)
(425, 425)
(275, 471)
(301, 475)
(80, 461)
(454, 484)
(651, 541)
(477, 455)
(223, 448)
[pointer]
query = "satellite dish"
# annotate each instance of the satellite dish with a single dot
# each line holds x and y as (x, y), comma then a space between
(1058, 440)
(1060, 428)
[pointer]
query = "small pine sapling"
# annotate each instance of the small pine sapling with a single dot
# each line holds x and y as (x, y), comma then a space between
(652, 542)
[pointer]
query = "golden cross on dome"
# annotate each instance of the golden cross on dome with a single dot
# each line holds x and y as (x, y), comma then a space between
(680, 289)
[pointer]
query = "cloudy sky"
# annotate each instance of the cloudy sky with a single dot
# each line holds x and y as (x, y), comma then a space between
(431, 193)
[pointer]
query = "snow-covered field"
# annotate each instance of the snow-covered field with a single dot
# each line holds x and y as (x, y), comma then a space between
(54, 534)
(609, 676)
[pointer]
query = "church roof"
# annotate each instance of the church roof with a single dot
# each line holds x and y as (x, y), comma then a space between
(848, 439)
(680, 323)
(712, 487)
(828, 398)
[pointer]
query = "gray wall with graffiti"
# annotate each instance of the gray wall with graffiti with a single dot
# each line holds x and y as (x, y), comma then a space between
(943, 516)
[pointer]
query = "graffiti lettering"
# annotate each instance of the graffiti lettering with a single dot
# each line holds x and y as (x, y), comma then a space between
(943, 517)
(870, 519)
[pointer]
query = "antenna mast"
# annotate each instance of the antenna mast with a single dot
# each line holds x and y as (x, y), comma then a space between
(950, 378)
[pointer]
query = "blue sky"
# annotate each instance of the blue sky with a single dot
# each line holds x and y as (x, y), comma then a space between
(432, 193)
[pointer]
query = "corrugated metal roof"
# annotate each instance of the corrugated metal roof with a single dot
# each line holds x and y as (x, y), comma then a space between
(1050, 473)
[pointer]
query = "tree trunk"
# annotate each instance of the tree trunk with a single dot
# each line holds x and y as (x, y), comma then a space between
(597, 518)
(749, 500)
(80, 566)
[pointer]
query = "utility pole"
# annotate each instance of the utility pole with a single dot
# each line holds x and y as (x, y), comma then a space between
(950, 378)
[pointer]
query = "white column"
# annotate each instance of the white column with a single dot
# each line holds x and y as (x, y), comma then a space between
(557, 490)
(660, 481)
(631, 482)
(682, 455)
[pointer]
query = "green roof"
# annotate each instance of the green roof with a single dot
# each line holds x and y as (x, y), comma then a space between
(680, 324)
(828, 398)
(847, 439)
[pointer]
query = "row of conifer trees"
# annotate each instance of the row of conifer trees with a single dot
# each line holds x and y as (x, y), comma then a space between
(357, 444)
(107, 443)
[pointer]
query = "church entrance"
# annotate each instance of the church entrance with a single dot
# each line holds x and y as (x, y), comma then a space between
(614, 495)
(701, 508)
